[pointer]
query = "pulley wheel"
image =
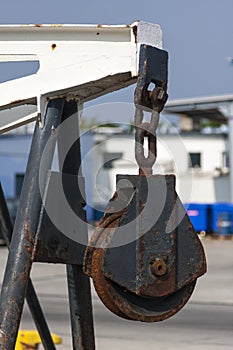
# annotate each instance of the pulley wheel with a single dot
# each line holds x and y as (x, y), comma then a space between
(127, 304)
(99, 282)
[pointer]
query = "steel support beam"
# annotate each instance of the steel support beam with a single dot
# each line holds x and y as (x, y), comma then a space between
(32, 299)
(78, 283)
(19, 262)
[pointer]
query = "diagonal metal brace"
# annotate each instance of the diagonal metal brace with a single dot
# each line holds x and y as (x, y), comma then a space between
(32, 299)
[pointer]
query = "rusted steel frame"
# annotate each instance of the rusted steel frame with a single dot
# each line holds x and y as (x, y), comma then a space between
(23, 239)
(78, 283)
(32, 299)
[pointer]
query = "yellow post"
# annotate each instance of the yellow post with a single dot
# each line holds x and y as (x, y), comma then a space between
(30, 339)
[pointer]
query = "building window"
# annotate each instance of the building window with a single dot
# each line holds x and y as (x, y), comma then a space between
(225, 159)
(194, 160)
(109, 157)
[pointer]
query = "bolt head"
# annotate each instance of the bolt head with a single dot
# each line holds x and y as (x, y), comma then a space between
(159, 268)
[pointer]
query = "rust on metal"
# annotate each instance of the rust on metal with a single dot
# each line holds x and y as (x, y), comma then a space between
(29, 245)
(143, 310)
(102, 287)
(28, 249)
(23, 275)
(53, 46)
(158, 267)
(147, 310)
(106, 221)
(3, 337)
(16, 102)
(155, 100)
(163, 281)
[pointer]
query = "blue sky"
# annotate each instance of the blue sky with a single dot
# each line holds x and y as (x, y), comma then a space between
(197, 34)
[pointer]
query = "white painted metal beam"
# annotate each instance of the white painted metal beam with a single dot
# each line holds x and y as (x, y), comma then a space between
(76, 61)
(198, 101)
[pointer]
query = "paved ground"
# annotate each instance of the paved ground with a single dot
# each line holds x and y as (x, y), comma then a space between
(205, 323)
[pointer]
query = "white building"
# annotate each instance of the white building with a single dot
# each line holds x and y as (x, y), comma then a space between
(199, 161)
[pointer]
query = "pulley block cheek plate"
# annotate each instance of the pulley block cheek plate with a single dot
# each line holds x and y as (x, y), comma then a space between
(141, 247)
(154, 250)
(145, 256)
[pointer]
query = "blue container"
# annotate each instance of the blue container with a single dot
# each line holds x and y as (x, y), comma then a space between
(198, 214)
(89, 213)
(222, 218)
(98, 214)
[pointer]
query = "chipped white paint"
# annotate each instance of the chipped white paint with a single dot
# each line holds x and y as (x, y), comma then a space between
(78, 61)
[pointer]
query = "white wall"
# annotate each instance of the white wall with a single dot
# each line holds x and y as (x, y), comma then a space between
(202, 185)
(211, 149)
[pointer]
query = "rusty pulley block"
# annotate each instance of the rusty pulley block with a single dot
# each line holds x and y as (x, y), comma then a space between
(145, 256)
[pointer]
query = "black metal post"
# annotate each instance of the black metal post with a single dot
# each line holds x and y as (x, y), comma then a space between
(32, 299)
(78, 283)
(23, 239)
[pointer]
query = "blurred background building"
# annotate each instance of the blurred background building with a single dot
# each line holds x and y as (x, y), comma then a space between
(196, 149)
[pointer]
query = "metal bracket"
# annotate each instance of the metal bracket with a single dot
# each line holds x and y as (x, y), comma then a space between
(153, 68)
(52, 245)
